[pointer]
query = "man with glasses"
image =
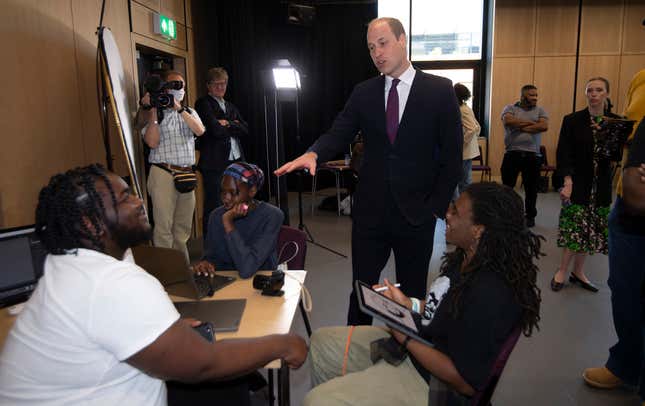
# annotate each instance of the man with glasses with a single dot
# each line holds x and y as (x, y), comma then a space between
(220, 146)
(170, 133)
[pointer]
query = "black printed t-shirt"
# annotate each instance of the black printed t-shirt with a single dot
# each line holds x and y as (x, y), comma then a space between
(488, 314)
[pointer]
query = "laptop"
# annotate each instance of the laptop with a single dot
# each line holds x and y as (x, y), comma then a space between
(224, 315)
(169, 266)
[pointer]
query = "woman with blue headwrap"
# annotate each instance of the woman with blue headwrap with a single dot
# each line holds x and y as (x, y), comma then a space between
(243, 232)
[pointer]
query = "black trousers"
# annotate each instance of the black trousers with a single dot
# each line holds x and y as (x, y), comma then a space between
(527, 163)
(234, 393)
(371, 247)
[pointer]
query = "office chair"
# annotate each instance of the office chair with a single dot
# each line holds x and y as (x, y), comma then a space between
(292, 247)
(483, 397)
(545, 170)
(485, 169)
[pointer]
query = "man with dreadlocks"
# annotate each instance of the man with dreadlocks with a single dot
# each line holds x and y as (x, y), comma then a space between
(486, 290)
(243, 232)
(99, 330)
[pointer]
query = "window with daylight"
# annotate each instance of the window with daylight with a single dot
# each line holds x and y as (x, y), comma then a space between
(446, 38)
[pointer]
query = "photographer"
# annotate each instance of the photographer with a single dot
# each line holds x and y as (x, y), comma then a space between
(169, 132)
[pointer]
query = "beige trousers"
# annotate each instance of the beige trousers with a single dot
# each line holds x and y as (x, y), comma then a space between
(172, 211)
(364, 383)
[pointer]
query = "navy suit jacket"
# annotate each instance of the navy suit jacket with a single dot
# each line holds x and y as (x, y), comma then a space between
(215, 144)
(421, 169)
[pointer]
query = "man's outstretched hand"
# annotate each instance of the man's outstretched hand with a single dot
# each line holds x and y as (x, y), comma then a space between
(304, 161)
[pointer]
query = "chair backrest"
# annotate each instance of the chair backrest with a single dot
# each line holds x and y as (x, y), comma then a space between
(292, 247)
(544, 160)
(479, 158)
(483, 397)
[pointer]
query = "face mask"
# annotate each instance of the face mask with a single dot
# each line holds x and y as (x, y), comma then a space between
(177, 94)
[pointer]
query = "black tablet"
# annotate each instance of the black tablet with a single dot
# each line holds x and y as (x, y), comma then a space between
(394, 315)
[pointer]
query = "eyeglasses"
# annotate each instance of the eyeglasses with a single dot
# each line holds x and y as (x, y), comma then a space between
(219, 83)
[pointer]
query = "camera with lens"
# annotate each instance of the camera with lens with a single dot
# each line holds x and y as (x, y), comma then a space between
(270, 285)
(156, 87)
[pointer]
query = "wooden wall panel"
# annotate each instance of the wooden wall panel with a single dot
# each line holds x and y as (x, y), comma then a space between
(191, 79)
(557, 27)
(52, 114)
(189, 20)
(509, 75)
(554, 78)
(601, 27)
(633, 29)
(174, 9)
(592, 66)
(41, 110)
(142, 23)
(151, 4)
(85, 14)
(629, 66)
(514, 33)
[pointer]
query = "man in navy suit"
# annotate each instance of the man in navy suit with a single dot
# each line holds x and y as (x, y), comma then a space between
(221, 144)
(412, 132)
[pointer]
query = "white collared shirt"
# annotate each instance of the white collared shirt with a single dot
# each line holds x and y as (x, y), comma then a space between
(235, 146)
(403, 88)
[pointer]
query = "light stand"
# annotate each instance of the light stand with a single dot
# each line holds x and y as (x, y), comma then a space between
(282, 83)
(303, 227)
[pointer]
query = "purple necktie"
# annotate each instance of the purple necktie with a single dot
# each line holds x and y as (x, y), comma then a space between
(392, 112)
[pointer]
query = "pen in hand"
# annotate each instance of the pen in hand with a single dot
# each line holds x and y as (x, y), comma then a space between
(384, 288)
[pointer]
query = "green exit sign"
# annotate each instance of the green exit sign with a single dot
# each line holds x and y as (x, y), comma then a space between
(165, 26)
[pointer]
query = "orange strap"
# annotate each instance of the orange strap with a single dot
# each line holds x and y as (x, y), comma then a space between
(349, 340)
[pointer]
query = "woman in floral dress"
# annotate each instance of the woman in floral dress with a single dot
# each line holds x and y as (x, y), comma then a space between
(586, 195)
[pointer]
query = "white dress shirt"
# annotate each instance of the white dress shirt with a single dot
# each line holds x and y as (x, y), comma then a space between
(235, 146)
(403, 88)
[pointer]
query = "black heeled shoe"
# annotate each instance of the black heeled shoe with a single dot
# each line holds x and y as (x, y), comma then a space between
(584, 285)
(556, 286)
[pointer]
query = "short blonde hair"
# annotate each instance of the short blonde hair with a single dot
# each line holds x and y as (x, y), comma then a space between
(216, 74)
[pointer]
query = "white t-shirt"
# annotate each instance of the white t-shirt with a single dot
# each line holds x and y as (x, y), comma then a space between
(89, 313)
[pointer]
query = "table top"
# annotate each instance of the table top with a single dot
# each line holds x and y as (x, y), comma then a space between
(262, 315)
(338, 165)
(6, 322)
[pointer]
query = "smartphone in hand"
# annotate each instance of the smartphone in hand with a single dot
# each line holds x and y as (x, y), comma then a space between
(206, 330)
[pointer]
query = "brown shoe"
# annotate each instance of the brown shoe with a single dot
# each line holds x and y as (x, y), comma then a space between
(601, 378)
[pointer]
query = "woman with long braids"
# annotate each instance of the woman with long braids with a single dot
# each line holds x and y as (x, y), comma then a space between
(487, 288)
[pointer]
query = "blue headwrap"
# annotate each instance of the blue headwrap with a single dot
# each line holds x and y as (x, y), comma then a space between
(245, 172)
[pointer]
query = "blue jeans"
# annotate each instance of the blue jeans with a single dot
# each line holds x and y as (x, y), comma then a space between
(626, 277)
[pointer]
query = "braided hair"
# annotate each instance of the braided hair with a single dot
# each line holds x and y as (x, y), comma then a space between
(506, 247)
(65, 203)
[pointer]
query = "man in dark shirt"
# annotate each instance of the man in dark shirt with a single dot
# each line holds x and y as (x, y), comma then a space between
(221, 144)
